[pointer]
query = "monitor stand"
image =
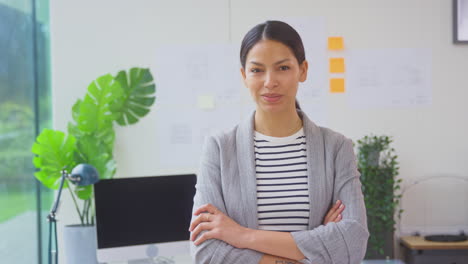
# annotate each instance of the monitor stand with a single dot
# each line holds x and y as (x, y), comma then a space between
(156, 260)
(152, 252)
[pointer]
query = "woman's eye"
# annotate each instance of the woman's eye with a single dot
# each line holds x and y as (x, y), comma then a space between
(254, 70)
(284, 68)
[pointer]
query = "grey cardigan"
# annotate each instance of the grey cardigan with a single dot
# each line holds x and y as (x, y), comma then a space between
(226, 179)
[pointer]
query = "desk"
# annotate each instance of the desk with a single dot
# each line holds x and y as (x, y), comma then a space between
(419, 251)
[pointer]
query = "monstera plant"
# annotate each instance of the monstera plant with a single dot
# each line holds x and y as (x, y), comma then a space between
(110, 100)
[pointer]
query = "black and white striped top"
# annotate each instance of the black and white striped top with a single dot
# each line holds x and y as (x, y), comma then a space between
(282, 191)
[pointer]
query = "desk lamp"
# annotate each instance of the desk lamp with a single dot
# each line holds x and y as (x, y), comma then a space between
(81, 175)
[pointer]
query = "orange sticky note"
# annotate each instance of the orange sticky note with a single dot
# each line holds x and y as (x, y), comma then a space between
(337, 65)
(337, 85)
(335, 43)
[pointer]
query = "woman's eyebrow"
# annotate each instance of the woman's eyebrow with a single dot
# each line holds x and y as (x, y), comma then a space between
(278, 62)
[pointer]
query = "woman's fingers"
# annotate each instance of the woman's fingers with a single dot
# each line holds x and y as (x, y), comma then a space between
(211, 223)
(334, 207)
(334, 214)
(202, 238)
(330, 212)
(206, 208)
(205, 217)
(201, 227)
(338, 218)
(205, 213)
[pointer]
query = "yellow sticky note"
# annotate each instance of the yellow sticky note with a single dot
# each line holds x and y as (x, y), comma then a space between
(335, 43)
(206, 102)
(337, 65)
(337, 85)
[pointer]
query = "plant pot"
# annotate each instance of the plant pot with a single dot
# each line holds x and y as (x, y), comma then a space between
(80, 244)
(387, 247)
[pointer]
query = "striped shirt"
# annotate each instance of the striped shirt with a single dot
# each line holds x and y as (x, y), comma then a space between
(282, 190)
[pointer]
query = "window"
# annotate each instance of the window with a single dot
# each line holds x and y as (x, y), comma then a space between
(24, 111)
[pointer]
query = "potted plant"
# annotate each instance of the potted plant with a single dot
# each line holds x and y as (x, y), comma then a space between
(378, 165)
(121, 99)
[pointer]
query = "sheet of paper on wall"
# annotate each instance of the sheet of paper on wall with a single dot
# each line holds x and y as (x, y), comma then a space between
(198, 92)
(389, 78)
(175, 137)
(312, 93)
(182, 130)
(184, 72)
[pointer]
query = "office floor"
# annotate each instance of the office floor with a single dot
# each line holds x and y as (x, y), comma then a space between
(16, 231)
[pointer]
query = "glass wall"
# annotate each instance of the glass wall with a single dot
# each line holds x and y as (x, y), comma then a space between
(25, 108)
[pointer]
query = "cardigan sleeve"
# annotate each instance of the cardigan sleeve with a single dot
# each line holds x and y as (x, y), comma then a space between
(344, 242)
(209, 190)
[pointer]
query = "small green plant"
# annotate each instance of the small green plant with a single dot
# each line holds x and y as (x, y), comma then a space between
(122, 99)
(379, 167)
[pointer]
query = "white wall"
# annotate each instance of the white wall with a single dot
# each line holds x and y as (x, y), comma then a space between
(90, 38)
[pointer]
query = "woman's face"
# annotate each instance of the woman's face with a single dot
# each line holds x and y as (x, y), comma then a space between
(272, 74)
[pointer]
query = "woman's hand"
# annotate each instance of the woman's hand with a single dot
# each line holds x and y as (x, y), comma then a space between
(217, 226)
(334, 214)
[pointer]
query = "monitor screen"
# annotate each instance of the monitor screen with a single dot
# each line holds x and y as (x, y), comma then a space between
(143, 210)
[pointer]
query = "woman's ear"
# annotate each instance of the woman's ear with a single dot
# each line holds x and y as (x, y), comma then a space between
(242, 70)
(303, 71)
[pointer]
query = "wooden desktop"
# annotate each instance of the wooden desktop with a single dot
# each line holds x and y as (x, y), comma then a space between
(419, 251)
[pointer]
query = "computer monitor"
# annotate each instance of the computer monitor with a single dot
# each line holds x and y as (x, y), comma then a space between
(143, 217)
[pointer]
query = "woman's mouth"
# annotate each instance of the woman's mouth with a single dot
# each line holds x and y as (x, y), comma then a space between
(271, 98)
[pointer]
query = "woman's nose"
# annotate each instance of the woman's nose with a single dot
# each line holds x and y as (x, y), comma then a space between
(271, 80)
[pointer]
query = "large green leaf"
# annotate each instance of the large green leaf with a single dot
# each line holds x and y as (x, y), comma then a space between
(139, 89)
(94, 112)
(105, 136)
(55, 151)
(76, 110)
(94, 117)
(93, 151)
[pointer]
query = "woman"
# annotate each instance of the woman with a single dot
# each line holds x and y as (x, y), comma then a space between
(271, 189)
